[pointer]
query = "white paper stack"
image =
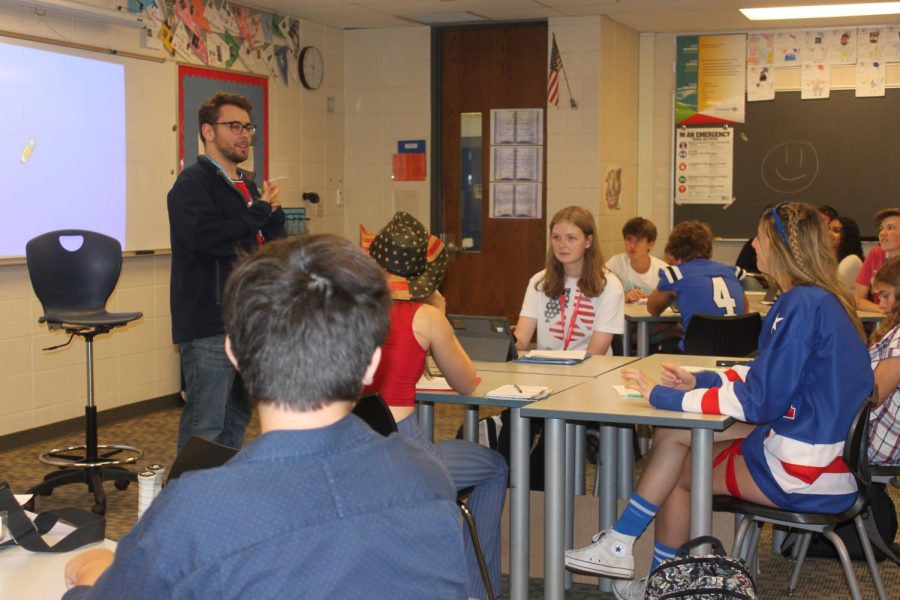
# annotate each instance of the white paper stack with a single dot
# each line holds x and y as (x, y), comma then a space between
(519, 392)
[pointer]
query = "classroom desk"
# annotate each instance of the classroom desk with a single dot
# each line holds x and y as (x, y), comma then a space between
(38, 576)
(592, 367)
(637, 313)
(596, 400)
(519, 476)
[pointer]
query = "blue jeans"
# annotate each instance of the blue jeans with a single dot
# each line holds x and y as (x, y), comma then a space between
(217, 406)
(472, 465)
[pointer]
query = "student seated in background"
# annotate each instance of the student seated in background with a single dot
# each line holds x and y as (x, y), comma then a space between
(319, 505)
(696, 283)
(888, 222)
(574, 303)
(414, 263)
(846, 243)
(636, 268)
(795, 403)
(884, 352)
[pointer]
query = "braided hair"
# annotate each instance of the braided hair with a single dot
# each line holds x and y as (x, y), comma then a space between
(799, 252)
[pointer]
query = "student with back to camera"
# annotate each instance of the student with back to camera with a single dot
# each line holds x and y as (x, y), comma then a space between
(574, 303)
(795, 401)
(696, 283)
(414, 263)
(884, 352)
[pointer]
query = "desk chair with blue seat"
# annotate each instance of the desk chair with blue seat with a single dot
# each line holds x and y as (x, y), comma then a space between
(73, 273)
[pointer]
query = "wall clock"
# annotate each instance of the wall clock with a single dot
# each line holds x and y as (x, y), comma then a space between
(312, 68)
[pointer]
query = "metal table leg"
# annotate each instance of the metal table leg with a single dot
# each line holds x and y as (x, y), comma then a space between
(426, 419)
(626, 462)
(470, 425)
(643, 340)
(626, 339)
(608, 507)
(580, 457)
(701, 486)
(519, 505)
(554, 508)
(570, 494)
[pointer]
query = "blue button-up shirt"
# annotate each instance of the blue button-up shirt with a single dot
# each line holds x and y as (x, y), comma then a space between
(336, 512)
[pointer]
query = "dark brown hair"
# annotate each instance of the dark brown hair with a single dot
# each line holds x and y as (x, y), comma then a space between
(881, 215)
(209, 112)
(888, 274)
(641, 228)
(304, 316)
(689, 240)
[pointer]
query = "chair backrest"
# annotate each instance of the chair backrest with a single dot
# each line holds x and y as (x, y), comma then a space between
(76, 280)
(372, 409)
(856, 446)
(714, 335)
(198, 454)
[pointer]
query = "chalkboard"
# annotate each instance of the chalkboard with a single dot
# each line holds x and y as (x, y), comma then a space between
(843, 151)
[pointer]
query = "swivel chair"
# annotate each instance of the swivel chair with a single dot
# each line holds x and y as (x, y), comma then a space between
(73, 272)
(754, 515)
(372, 409)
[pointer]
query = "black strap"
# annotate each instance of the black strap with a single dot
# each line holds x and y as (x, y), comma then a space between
(716, 545)
(89, 528)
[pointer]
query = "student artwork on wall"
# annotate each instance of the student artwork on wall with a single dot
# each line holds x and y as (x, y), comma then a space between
(220, 34)
(195, 85)
(815, 81)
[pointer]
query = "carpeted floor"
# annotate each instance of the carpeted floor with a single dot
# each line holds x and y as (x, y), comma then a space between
(155, 434)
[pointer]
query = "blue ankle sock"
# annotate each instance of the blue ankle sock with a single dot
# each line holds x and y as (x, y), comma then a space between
(661, 553)
(636, 516)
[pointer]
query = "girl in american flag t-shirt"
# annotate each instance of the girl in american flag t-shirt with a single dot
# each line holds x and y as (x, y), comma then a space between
(574, 303)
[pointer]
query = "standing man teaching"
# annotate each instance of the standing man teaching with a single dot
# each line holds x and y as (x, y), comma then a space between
(215, 211)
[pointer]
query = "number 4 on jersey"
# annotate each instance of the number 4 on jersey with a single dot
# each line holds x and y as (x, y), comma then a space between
(722, 297)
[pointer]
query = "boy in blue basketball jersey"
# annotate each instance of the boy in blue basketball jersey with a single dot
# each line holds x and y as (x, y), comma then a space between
(697, 284)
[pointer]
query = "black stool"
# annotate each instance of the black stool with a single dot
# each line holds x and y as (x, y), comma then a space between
(73, 272)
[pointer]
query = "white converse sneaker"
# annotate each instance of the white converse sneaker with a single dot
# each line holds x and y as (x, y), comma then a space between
(630, 590)
(608, 555)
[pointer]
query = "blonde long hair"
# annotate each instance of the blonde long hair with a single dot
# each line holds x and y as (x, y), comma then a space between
(888, 274)
(798, 250)
(592, 281)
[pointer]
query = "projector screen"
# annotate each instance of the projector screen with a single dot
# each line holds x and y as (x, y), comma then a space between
(62, 145)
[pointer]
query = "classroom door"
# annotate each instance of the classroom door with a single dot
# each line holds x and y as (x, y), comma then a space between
(481, 69)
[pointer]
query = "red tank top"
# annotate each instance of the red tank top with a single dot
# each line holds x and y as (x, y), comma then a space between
(402, 359)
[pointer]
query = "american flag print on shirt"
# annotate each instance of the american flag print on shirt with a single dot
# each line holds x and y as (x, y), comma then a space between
(584, 316)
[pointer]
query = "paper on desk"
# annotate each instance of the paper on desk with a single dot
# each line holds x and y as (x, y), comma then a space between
(626, 393)
(558, 354)
(694, 369)
(519, 392)
(433, 384)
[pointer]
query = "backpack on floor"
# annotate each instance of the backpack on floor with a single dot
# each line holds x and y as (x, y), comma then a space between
(880, 514)
(714, 576)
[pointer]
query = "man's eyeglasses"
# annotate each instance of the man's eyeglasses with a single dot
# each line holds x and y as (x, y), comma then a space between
(237, 127)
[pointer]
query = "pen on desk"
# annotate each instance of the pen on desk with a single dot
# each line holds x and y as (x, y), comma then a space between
(518, 389)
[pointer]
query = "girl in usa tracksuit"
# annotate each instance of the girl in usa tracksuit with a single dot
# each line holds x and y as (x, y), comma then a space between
(795, 401)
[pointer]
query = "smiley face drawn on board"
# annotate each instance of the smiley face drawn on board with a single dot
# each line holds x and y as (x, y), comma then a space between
(790, 167)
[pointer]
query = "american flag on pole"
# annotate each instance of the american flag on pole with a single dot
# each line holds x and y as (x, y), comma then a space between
(553, 80)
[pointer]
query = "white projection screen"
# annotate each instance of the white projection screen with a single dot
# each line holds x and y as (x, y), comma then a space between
(62, 145)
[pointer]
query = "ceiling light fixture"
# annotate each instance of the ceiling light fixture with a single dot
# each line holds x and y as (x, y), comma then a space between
(115, 16)
(821, 11)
